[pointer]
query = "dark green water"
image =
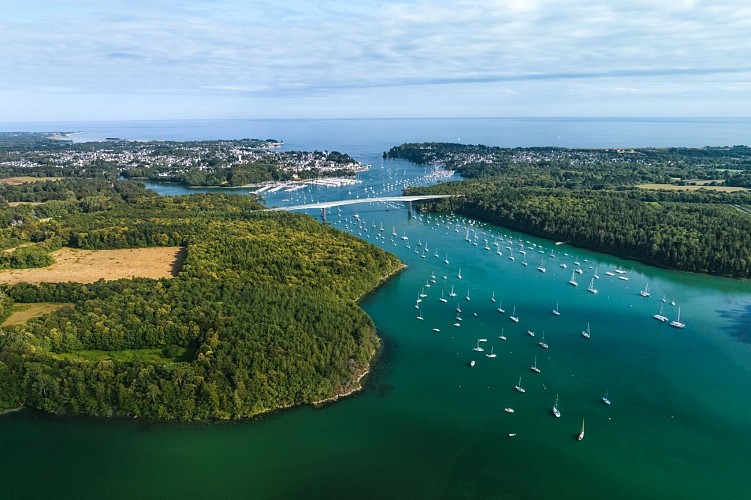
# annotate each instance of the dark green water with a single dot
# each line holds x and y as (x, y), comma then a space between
(428, 425)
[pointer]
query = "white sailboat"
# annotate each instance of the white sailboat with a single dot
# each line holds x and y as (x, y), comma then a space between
(591, 288)
(477, 347)
(586, 333)
(605, 398)
(572, 281)
(581, 432)
(500, 307)
(467, 295)
(534, 366)
(597, 276)
(492, 297)
(542, 343)
(645, 292)
(492, 353)
(446, 260)
(659, 316)
(555, 407)
(451, 293)
(542, 266)
(677, 322)
(519, 387)
(502, 336)
(459, 274)
(419, 315)
(513, 316)
(556, 312)
(443, 299)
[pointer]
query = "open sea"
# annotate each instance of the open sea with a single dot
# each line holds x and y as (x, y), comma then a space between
(427, 425)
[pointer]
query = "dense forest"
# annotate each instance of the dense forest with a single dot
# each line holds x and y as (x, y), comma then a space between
(262, 315)
(591, 198)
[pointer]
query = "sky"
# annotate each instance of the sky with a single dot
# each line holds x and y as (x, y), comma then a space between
(69, 60)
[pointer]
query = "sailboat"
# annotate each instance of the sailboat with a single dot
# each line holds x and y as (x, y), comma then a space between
(586, 332)
(419, 315)
(443, 299)
(542, 266)
(659, 316)
(581, 432)
(519, 386)
(677, 322)
(446, 260)
(451, 293)
(502, 336)
(513, 316)
(492, 354)
(500, 307)
(605, 398)
(645, 292)
(393, 230)
(459, 274)
(542, 343)
(477, 347)
(591, 288)
(467, 295)
(534, 366)
(556, 312)
(492, 297)
(596, 275)
(572, 281)
(555, 407)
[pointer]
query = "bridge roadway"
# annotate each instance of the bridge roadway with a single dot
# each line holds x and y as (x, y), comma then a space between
(328, 204)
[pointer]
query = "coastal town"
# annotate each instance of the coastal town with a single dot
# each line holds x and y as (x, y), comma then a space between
(200, 163)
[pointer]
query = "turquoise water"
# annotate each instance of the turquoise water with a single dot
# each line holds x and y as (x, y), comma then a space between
(428, 424)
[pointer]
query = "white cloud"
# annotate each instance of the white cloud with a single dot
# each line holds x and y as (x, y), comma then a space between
(321, 51)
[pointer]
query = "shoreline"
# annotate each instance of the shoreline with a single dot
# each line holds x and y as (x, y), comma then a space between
(11, 410)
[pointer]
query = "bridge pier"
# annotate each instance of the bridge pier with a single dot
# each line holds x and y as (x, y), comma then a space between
(323, 214)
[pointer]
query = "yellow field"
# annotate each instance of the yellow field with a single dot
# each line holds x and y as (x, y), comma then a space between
(691, 188)
(88, 266)
(24, 179)
(24, 312)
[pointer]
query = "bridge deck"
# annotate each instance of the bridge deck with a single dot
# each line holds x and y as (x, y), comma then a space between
(329, 204)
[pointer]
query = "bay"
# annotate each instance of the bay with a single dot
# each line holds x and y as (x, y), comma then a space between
(428, 424)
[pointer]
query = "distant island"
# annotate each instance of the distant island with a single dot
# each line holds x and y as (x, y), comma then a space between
(680, 208)
(119, 302)
(228, 163)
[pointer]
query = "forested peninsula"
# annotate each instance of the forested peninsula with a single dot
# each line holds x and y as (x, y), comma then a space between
(261, 314)
(679, 208)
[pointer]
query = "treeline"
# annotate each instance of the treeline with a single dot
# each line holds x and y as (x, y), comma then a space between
(261, 316)
(585, 168)
(597, 206)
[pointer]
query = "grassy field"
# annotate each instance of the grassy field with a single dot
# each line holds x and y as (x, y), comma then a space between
(691, 188)
(88, 266)
(24, 179)
(23, 312)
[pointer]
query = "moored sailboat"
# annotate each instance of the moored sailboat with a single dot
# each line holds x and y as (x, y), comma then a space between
(581, 432)
(586, 333)
(677, 322)
(556, 412)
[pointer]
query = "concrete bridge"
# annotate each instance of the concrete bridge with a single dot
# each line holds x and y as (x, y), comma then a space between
(329, 204)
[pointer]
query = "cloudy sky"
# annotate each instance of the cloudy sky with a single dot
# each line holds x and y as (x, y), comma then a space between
(162, 59)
